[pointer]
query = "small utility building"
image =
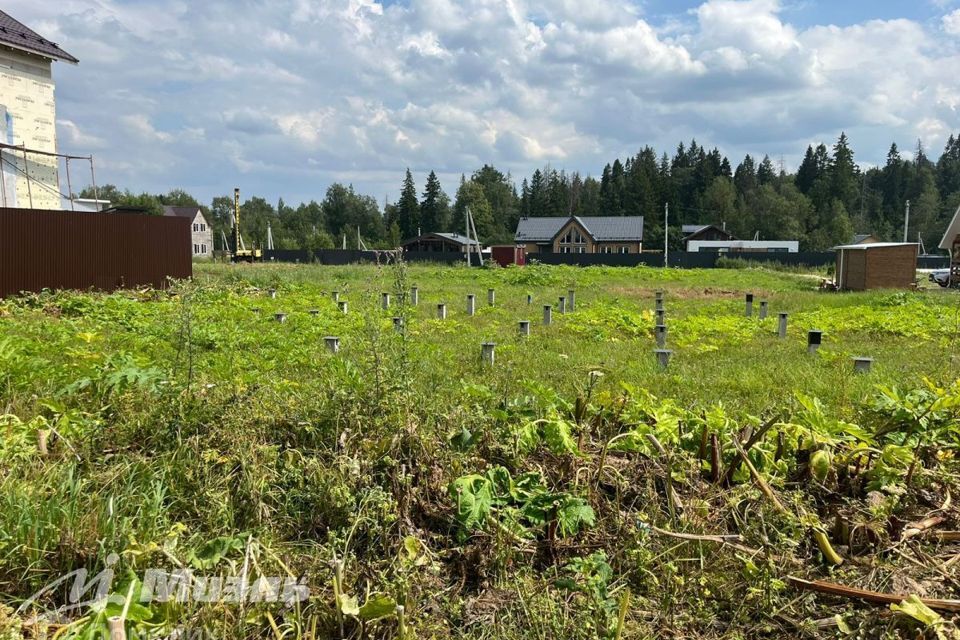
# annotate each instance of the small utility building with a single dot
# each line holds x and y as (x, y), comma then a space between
(877, 265)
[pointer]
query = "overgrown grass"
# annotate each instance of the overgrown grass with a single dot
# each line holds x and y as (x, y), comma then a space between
(526, 500)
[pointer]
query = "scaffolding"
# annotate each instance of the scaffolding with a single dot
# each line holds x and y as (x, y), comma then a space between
(18, 150)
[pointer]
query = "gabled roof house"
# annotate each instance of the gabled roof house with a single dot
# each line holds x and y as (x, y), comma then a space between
(201, 233)
(581, 234)
(703, 232)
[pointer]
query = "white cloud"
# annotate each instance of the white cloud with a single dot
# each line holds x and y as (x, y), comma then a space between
(293, 94)
(140, 126)
(951, 23)
(750, 25)
(75, 138)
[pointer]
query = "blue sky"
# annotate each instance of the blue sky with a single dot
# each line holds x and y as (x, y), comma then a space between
(282, 98)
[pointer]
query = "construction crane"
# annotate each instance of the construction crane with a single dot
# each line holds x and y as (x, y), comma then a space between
(240, 251)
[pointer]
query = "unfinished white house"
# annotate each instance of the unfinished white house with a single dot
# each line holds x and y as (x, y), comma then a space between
(201, 233)
(28, 117)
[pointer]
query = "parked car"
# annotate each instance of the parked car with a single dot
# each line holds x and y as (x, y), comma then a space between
(941, 277)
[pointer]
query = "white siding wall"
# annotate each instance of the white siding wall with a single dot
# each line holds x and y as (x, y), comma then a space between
(27, 94)
(201, 237)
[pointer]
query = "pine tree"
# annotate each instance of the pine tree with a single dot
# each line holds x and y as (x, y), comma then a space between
(893, 185)
(948, 168)
(408, 208)
(538, 195)
(766, 174)
(745, 177)
(435, 207)
(808, 172)
(844, 173)
(725, 169)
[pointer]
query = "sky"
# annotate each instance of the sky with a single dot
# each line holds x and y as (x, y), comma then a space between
(284, 97)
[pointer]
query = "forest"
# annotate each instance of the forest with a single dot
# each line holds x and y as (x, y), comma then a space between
(828, 199)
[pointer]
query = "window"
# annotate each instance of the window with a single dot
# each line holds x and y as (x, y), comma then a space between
(196, 227)
(203, 248)
(203, 227)
(573, 241)
(196, 249)
(624, 249)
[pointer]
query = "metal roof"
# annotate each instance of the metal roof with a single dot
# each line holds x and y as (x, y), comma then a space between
(690, 230)
(456, 237)
(14, 33)
(860, 237)
(875, 245)
(452, 237)
(181, 212)
(600, 228)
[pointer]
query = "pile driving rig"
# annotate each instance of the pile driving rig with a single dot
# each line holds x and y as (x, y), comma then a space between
(240, 251)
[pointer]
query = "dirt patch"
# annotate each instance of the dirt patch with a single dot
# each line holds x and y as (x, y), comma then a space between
(707, 293)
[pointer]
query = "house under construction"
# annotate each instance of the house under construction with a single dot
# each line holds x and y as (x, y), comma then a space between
(28, 135)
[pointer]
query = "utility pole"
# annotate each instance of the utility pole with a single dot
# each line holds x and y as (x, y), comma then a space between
(906, 222)
(666, 232)
(466, 222)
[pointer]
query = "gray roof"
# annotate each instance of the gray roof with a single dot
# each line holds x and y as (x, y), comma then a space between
(860, 237)
(456, 237)
(452, 237)
(14, 33)
(600, 228)
(689, 229)
(182, 212)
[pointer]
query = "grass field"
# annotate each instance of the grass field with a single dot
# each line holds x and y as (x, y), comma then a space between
(545, 496)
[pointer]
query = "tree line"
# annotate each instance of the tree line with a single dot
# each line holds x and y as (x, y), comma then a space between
(828, 199)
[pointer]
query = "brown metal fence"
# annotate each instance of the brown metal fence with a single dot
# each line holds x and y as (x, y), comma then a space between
(104, 251)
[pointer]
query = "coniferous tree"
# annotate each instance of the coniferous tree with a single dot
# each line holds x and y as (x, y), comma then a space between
(808, 172)
(745, 177)
(725, 169)
(844, 173)
(408, 208)
(435, 207)
(948, 167)
(765, 172)
(538, 195)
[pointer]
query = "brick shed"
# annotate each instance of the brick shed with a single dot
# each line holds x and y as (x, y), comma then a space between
(880, 265)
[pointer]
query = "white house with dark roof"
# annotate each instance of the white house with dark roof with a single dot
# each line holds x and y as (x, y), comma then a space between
(581, 234)
(700, 232)
(28, 116)
(201, 234)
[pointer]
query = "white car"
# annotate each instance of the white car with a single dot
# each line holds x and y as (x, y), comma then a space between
(941, 277)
